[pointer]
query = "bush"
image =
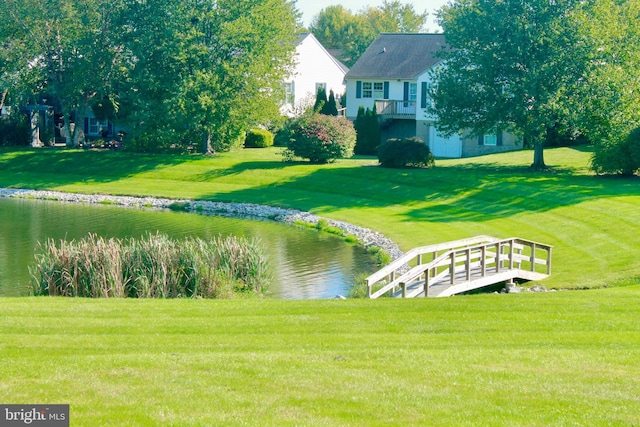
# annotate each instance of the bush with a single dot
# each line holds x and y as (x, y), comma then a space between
(321, 138)
(368, 130)
(408, 152)
(151, 267)
(14, 130)
(284, 134)
(621, 157)
(258, 138)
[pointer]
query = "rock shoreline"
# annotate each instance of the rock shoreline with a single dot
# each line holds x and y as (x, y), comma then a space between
(367, 237)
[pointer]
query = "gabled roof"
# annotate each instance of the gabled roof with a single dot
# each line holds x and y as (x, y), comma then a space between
(303, 36)
(398, 56)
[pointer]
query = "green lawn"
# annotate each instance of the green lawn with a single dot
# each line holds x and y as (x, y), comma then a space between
(556, 359)
(568, 358)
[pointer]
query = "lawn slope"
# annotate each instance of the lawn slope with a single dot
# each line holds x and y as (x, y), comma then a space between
(592, 222)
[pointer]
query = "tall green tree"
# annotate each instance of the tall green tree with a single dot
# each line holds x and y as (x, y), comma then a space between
(511, 65)
(330, 108)
(338, 28)
(68, 50)
(220, 65)
(609, 104)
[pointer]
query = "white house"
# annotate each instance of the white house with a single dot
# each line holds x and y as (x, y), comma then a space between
(314, 67)
(394, 75)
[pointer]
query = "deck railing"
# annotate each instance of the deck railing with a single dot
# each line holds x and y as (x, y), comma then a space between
(389, 108)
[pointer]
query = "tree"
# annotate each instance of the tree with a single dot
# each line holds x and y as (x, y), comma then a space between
(221, 65)
(321, 99)
(609, 103)
(330, 108)
(338, 28)
(510, 65)
(67, 50)
(368, 131)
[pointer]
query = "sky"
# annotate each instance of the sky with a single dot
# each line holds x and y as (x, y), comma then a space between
(310, 8)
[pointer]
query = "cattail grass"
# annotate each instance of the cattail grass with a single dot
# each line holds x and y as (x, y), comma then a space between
(153, 266)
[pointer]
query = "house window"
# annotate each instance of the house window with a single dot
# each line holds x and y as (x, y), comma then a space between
(97, 126)
(289, 93)
(490, 140)
(413, 91)
(378, 90)
(321, 85)
(375, 90)
(367, 90)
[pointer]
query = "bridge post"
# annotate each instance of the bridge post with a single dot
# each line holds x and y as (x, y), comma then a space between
(549, 260)
(404, 289)
(533, 256)
(452, 267)
(467, 264)
(498, 249)
(511, 248)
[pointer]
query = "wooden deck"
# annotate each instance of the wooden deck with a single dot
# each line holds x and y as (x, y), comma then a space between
(461, 266)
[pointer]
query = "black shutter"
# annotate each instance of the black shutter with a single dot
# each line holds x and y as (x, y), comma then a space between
(386, 90)
(481, 140)
(358, 89)
(406, 91)
(423, 95)
(499, 138)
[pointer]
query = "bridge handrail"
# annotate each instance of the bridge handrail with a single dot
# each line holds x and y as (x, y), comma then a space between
(452, 257)
(403, 260)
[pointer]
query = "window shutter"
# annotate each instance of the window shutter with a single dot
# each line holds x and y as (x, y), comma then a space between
(86, 126)
(386, 90)
(358, 89)
(110, 128)
(423, 95)
(499, 138)
(406, 91)
(481, 140)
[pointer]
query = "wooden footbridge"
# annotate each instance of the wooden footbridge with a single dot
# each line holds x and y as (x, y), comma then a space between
(451, 268)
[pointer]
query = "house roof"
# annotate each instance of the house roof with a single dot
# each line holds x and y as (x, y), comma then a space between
(398, 56)
(303, 36)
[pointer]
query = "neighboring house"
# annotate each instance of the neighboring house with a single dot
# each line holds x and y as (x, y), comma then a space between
(314, 67)
(394, 75)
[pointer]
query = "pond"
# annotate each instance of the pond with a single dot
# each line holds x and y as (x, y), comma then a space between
(306, 264)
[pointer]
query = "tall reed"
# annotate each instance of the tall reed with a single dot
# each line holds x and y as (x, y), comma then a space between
(153, 266)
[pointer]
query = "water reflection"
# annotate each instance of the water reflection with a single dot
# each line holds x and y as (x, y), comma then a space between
(306, 264)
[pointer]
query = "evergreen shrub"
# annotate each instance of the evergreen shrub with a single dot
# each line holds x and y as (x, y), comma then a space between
(321, 139)
(407, 152)
(258, 138)
(368, 131)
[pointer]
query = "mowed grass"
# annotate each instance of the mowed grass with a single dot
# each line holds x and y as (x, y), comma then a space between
(592, 222)
(565, 358)
(568, 358)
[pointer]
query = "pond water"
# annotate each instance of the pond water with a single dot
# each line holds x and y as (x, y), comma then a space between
(306, 264)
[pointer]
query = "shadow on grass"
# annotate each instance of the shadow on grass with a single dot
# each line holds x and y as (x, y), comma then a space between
(473, 191)
(443, 194)
(48, 168)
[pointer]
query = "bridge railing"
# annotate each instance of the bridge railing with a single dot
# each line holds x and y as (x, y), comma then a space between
(480, 255)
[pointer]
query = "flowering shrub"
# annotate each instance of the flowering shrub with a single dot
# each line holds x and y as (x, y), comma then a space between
(321, 138)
